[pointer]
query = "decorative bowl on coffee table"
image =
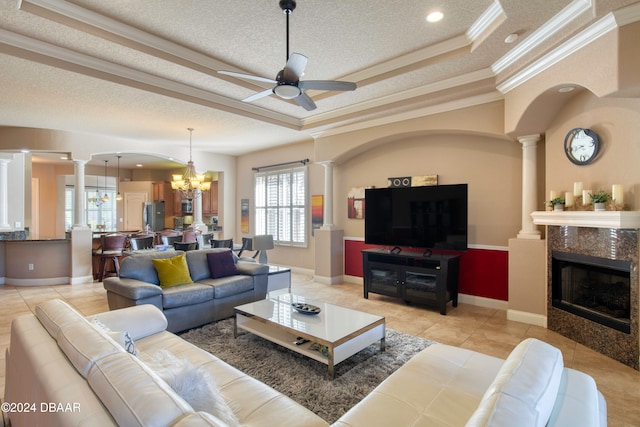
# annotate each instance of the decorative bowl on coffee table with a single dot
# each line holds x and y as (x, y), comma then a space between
(305, 308)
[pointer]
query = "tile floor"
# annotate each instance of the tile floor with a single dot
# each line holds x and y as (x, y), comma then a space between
(477, 328)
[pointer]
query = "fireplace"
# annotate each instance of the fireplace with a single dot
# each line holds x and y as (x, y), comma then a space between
(595, 288)
(598, 251)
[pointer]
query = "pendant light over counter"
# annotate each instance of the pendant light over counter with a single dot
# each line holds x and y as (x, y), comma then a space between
(118, 195)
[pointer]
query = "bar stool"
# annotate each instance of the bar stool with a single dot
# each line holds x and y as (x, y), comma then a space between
(111, 248)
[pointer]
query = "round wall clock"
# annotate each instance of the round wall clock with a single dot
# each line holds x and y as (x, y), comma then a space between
(581, 146)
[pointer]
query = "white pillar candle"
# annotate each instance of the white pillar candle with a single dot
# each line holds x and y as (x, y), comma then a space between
(577, 189)
(586, 199)
(553, 194)
(568, 199)
(617, 194)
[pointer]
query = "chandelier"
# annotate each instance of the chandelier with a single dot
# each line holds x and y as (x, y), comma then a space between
(190, 181)
(97, 200)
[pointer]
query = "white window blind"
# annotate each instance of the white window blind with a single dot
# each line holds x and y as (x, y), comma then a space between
(281, 205)
(105, 213)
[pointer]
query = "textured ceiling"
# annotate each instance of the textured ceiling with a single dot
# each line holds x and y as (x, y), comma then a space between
(147, 70)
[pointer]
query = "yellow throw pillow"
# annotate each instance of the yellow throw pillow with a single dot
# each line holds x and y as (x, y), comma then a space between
(172, 271)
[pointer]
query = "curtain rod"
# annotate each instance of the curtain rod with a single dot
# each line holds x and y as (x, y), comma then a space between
(304, 162)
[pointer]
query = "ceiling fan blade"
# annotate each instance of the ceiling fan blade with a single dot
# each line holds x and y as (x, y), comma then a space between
(305, 102)
(294, 68)
(326, 85)
(258, 95)
(247, 76)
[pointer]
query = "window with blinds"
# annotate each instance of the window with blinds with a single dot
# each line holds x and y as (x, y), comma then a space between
(281, 205)
(105, 213)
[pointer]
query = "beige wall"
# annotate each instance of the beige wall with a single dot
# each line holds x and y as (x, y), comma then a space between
(490, 166)
(298, 257)
(617, 123)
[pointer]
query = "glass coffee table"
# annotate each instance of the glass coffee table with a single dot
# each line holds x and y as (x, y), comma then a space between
(330, 336)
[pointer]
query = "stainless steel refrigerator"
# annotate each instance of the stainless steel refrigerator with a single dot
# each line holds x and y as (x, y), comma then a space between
(153, 216)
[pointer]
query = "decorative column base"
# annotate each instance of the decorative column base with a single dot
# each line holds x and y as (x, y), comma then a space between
(532, 235)
(329, 256)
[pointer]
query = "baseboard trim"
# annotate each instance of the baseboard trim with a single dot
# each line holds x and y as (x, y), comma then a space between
(483, 301)
(526, 317)
(81, 280)
(328, 280)
(353, 279)
(48, 281)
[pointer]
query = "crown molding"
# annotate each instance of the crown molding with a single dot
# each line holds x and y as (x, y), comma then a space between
(604, 25)
(388, 118)
(542, 34)
(582, 39)
(413, 93)
(490, 16)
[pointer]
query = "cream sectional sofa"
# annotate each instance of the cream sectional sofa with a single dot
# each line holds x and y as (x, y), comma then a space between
(57, 357)
(452, 386)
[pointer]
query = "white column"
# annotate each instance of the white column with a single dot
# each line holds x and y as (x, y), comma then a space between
(327, 213)
(80, 219)
(4, 194)
(197, 212)
(529, 185)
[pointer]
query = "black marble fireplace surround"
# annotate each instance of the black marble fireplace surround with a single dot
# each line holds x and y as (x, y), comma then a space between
(595, 288)
(600, 309)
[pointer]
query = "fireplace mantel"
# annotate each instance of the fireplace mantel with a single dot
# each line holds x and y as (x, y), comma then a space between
(604, 219)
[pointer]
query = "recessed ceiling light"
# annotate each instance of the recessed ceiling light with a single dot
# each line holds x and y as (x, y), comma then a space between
(139, 165)
(24, 151)
(566, 89)
(435, 16)
(511, 38)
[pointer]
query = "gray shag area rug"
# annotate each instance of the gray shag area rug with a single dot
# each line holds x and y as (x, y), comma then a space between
(305, 380)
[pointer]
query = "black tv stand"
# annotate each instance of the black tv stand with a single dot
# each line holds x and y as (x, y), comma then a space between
(412, 276)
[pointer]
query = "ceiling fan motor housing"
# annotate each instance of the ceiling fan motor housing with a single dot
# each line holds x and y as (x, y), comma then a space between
(287, 90)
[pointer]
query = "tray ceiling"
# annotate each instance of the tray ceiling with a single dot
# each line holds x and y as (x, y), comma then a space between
(147, 70)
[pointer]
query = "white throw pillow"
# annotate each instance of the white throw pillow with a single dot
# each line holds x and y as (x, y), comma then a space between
(123, 338)
(194, 384)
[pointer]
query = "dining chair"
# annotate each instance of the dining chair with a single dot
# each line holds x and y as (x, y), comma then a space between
(170, 240)
(112, 246)
(247, 245)
(185, 246)
(225, 243)
(204, 240)
(139, 243)
(189, 236)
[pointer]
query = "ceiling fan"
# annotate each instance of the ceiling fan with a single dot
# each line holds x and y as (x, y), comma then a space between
(287, 81)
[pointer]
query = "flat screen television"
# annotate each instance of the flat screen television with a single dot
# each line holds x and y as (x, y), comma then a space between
(429, 217)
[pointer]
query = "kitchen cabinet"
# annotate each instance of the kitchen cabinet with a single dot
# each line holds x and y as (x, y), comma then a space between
(210, 201)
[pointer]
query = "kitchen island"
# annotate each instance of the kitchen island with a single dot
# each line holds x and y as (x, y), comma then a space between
(35, 261)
